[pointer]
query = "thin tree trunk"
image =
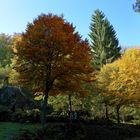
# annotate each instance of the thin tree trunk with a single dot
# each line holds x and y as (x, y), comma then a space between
(44, 110)
(106, 112)
(6, 81)
(45, 103)
(48, 86)
(70, 108)
(118, 114)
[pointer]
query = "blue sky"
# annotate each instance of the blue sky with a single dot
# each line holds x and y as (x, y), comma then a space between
(15, 14)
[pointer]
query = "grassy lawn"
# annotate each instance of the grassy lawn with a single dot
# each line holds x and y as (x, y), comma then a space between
(8, 129)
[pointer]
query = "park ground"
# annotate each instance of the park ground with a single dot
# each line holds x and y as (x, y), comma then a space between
(86, 131)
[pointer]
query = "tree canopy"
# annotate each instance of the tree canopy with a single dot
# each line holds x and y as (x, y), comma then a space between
(5, 50)
(52, 57)
(119, 82)
(104, 42)
(136, 6)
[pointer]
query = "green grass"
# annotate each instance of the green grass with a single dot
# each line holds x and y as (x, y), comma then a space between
(8, 129)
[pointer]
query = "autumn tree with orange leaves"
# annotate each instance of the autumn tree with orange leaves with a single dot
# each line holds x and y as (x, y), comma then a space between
(53, 58)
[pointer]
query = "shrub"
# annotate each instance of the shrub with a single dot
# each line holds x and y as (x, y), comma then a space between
(5, 113)
(55, 132)
(26, 116)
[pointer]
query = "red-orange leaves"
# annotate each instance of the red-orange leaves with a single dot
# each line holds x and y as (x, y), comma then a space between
(52, 56)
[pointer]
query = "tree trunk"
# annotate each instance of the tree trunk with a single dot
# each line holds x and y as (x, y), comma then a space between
(48, 86)
(118, 113)
(70, 108)
(44, 110)
(106, 112)
(6, 81)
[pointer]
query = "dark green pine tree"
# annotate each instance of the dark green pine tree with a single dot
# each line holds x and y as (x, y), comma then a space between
(104, 42)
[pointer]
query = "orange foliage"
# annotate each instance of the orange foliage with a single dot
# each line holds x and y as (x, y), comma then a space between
(52, 57)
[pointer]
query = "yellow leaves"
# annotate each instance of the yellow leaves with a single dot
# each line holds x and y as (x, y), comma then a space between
(132, 53)
(38, 98)
(122, 78)
(16, 39)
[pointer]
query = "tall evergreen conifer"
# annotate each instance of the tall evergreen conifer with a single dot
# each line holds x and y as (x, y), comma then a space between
(104, 42)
